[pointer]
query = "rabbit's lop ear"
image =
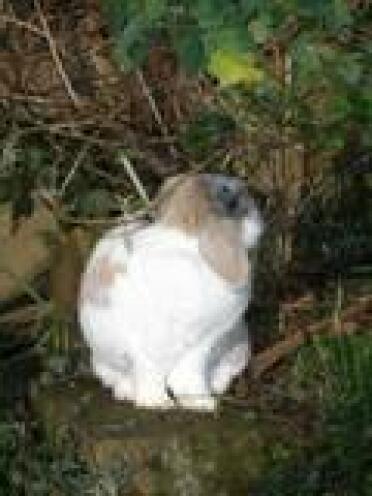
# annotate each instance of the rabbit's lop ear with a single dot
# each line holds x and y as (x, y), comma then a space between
(221, 245)
(183, 203)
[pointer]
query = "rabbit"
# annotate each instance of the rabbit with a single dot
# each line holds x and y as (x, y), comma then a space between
(161, 303)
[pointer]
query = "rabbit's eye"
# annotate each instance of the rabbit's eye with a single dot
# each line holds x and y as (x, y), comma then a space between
(229, 199)
(225, 193)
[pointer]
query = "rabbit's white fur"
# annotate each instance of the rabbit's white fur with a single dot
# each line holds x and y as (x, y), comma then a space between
(161, 304)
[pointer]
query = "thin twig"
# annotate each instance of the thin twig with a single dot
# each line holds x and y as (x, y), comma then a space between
(77, 162)
(25, 314)
(39, 343)
(104, 221)
(27, 288)
(71, 130)
(155, 110)
(134, 178)
(22, 24)
(57, 60)
(81, 221)
(32, 99)
(9, 152)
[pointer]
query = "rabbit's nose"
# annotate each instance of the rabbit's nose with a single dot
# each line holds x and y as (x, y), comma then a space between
(232, 203)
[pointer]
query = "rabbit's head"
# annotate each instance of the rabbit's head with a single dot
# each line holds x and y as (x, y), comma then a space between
(220, 212)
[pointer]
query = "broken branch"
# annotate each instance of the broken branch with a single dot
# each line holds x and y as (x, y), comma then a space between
(268, 358)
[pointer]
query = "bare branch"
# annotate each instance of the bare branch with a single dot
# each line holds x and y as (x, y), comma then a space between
(57, 60)
(75, 166)
(268, 358)
(155, 110)
(22, 24)
(134, 178)
(26, 287)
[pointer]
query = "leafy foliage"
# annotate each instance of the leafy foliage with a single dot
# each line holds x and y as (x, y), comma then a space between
(205, 131)
(325, 96)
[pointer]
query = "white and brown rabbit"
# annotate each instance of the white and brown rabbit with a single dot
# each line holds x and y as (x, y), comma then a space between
(162, 303)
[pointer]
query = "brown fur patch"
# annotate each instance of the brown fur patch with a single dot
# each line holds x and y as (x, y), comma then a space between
(220, 244)
(99, 279)
(183, 203)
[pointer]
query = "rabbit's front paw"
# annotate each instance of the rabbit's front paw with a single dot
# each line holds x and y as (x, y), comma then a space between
(151, 402)
(151, 391)
(123, 389)
(190, 390)
(153, 397)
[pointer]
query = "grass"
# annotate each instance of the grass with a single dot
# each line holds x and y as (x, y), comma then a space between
(336, 374)
(31, 465)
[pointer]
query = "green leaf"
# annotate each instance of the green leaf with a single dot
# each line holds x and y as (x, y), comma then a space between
(131, 44)
(341, 14)
(35, 158)
(208, 13)
(339, 107)
(117, 12)
(232, 68)
(190, 49)
(251, 7)
(232, 38)
(349, 70)
(313, 7)
(153, 10)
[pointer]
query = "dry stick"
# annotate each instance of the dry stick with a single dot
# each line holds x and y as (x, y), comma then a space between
(9, 152)
(88, 141)
(22, 24)
(26, 287)
(270, 357)
(31, 98)
(79, 221)
(77, 162)
(69, 131)
(23, 315)
(54, 53)
(155, 110)
(134, 178)
(39, 343)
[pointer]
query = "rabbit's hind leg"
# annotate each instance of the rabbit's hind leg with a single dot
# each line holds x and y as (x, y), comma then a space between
(229, 366)
(229, 357)
(188, 382)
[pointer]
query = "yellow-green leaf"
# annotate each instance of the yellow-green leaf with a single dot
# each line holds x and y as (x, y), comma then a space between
(234, 68)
